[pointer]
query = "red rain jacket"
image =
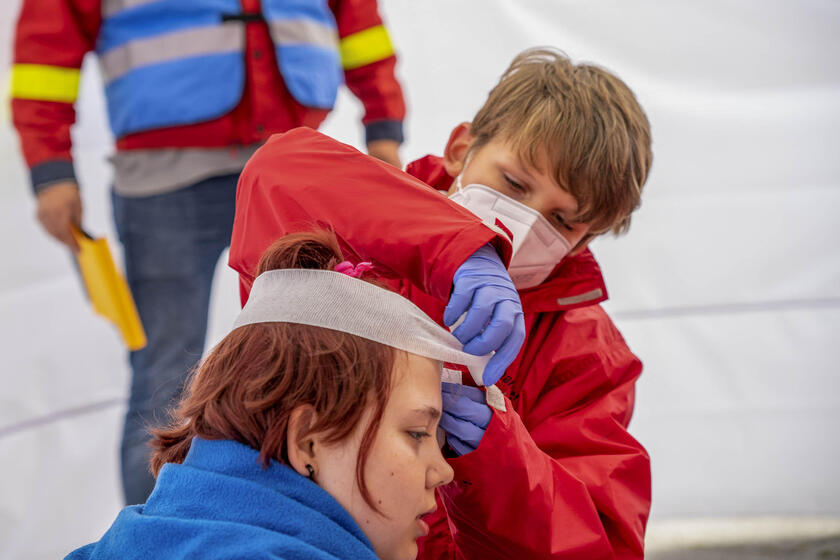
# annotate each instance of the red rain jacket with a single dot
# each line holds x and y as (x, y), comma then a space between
(557, 475)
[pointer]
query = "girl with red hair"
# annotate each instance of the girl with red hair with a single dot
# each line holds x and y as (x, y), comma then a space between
(293, 441)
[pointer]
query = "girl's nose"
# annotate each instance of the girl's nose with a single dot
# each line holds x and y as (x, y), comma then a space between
(440, 473)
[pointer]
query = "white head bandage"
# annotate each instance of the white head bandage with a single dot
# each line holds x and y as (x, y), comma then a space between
(332, 300)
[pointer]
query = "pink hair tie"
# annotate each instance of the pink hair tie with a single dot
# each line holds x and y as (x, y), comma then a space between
(347, 268)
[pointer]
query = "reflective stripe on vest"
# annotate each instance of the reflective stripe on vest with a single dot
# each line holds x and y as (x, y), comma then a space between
(111, 7)
(306, 44)
(40, 82)
(170, 47)
(174, 62)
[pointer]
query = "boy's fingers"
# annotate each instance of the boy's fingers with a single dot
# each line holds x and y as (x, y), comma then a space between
(463, 429)
(473, 393)
(496, 332)
(463, 408)
(506, 353)
(459, 301)
(493, 371)
(477, 318)
(459, 446)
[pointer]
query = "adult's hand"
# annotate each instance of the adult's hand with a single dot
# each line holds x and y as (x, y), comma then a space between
(465, 416)
(59, 207)
(484, 291)
(386, 150)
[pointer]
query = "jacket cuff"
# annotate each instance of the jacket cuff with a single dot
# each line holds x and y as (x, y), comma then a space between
(457, 251)
(384, 130)
(50, 172)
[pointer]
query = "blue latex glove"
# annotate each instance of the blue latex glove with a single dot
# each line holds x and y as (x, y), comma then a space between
(465, 416)
(483, 289)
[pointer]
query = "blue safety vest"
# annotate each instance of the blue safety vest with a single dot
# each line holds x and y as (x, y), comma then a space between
(178, 62)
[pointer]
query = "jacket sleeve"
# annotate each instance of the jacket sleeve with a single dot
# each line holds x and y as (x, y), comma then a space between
(303, 180)
(567, 482)
(368, 58)
(51, 39)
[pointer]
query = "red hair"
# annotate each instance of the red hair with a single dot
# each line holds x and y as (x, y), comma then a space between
(247, 387)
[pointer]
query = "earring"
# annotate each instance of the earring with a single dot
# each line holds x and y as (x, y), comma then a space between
(311, 472)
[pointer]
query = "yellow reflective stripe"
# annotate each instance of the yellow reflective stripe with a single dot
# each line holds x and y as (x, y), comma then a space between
(364, 47)
(45, 83)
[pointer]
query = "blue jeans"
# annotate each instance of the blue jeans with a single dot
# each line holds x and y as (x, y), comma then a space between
(172, 243)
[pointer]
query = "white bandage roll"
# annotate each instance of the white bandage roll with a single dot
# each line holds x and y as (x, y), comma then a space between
(332, 300)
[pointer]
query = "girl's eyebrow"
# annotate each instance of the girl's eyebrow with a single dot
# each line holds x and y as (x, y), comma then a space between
(430, 411)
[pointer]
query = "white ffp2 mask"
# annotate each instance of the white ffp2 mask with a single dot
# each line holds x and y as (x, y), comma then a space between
(537, 246)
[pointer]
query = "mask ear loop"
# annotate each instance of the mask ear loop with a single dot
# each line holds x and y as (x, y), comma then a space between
(457, 182)
(583, 241)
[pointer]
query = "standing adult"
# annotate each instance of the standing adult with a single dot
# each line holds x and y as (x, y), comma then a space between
(193, 88)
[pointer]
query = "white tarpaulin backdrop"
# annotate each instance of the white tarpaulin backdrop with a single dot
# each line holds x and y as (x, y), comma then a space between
(728, 285)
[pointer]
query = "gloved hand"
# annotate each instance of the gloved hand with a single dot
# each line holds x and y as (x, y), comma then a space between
(483, 289)
(465, 416)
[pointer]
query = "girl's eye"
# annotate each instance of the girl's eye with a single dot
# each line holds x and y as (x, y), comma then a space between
(419, 435)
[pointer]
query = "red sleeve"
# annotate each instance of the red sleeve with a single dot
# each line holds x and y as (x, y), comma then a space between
(303, 180)
(51, 39)
(431, 170)
(369, 62)
(568, 482)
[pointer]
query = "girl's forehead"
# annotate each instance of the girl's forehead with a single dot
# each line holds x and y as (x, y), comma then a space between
(416, 380)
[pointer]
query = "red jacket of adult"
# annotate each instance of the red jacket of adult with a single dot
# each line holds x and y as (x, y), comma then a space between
(557, 475)
(53, 36)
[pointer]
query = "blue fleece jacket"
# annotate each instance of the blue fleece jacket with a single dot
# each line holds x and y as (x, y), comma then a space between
(221, 504)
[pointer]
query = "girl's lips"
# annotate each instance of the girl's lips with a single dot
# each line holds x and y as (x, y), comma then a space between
(424, 528)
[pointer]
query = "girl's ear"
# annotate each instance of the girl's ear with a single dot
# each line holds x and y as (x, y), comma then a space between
(301, 441)
(455, 153)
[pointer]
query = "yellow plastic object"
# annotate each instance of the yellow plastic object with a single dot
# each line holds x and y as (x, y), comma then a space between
(107, 289)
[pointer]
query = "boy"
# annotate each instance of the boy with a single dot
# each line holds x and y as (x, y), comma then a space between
(558, 146)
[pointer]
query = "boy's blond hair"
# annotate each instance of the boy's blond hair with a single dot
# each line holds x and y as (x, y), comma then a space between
(577, 122)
